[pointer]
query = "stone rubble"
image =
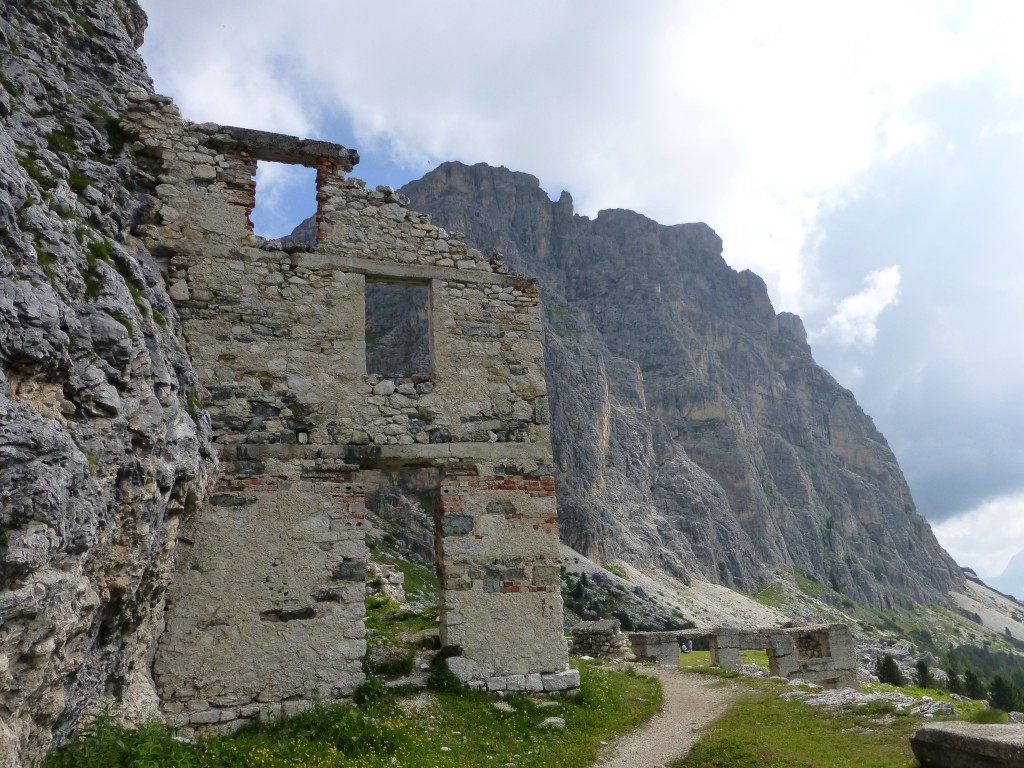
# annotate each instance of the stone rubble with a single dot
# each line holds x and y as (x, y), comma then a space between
(386, 580)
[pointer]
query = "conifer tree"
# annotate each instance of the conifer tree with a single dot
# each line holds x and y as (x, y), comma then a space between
(973, 686)
(1004, 694)
(923, 677)
(954, 683)
(888, 671)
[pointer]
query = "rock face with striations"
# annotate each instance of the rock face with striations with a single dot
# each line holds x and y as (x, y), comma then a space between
(99, 454)
(693, 431)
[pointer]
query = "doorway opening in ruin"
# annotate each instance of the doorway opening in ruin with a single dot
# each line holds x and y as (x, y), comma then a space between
(285, 202)
(398, 329)
(403, 503)
(403, 584)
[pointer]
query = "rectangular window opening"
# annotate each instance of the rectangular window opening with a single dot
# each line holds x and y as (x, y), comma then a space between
(398, 329)
(285, 202)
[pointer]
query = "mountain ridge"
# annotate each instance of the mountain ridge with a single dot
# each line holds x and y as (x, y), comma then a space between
(107, 442)
(672, 384)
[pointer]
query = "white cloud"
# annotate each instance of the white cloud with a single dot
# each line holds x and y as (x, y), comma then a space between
(987, 537)
(1003, 128)
(755, 117)
(275, 182)
(855, 321)
(794, 128)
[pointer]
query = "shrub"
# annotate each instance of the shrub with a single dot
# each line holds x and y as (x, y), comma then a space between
(373, 689)
(441, 678)
(988, 717)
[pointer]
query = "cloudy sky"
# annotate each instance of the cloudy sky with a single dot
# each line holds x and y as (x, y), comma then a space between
(866, 159)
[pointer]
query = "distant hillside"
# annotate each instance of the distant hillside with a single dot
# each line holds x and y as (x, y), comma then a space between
(694, 433)
(1011, 580)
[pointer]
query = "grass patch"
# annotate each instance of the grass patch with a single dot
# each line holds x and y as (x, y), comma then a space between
(116, 137)
(703, 659)
(47, 261)
(618, 570)
(123, 320)
(193, 404)
(102, 250)
(458, 729)
(9, 86)
(62, 141)
(394, 633)
(771, 595)
(990, 716)
(561, 319)
(78, 181)
(763, 730)
(37, 174)
(93, 286)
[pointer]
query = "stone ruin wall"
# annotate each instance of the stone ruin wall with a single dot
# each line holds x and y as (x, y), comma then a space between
(266, 607)
(819, 653)
(601, 639)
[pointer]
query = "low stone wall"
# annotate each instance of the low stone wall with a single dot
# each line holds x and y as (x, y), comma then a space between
(968, 745)
(601, 639)
(551, 682)
(821, 653)
(663, 647)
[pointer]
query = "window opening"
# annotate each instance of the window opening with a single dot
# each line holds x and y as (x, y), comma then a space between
(398, 329)
(285, 202)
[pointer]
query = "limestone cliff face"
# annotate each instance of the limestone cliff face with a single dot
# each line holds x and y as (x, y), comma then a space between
(693, 430)
(99, 455)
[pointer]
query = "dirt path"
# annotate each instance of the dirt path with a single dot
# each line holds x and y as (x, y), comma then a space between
(691, 702)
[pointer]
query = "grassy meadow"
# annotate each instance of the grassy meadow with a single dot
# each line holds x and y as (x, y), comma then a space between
(410, 729)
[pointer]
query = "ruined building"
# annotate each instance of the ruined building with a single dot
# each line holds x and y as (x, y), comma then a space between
(266, 603)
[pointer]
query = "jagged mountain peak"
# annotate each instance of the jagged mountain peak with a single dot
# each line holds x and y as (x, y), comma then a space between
(693, 431)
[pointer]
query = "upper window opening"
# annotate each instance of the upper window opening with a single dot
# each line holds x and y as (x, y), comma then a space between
(285, 201)
(398, 329)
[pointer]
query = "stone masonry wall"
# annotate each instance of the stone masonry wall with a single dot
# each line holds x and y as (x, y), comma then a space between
(601, 639)
(821, 653)
(274, 612)
(270, 575)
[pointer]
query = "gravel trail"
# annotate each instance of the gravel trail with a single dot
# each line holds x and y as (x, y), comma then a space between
(691, 702)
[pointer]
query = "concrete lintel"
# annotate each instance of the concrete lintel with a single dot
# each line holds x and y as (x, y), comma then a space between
(281, 148)
(409, 272)
(805, 628)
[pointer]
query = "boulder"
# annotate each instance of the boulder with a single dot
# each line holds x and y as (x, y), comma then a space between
(969, 745)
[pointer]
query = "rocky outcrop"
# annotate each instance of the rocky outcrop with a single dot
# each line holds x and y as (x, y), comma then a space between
(693, 431)
(102, 445)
